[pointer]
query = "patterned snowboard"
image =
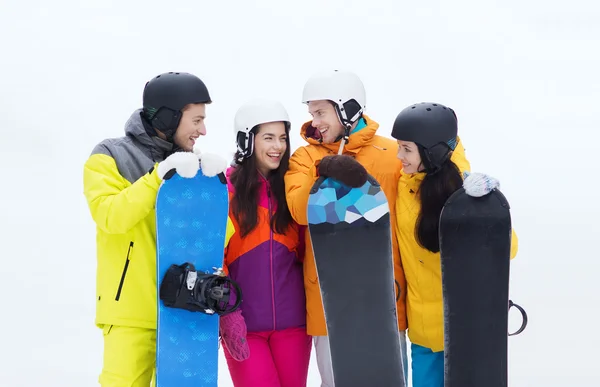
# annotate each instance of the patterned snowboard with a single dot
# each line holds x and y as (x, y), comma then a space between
(191, 220)
(351, 239)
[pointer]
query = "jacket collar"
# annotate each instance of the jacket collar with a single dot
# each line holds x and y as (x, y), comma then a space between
(135, 127)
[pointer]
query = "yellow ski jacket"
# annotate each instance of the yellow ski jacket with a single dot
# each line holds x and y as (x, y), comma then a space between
(422, 268)
(120, 183)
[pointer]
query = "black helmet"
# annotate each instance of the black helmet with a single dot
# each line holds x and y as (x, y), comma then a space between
(433, 127)
(166, 94)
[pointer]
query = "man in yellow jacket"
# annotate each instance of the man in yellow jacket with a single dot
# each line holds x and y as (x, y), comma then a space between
(337, 100)
(121, 179)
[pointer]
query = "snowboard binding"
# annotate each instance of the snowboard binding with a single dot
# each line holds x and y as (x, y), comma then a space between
(523, 314)
(185, 288)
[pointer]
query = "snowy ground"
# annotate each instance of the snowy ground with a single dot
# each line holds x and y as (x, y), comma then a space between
(521, 75)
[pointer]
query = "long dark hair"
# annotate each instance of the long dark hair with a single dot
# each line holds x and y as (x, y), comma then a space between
(435, 189)
(246, 181)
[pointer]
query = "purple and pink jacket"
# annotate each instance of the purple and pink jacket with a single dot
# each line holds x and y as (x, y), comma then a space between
(268, 268)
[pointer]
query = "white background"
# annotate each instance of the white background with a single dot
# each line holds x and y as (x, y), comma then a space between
(521, 75)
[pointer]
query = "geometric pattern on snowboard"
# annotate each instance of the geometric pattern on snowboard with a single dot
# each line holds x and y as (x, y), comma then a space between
(191, 220)
(334, 202)
(351, 241)
(475, 241)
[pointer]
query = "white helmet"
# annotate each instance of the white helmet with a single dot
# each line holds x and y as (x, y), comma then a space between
(251, 114)
(343, 88)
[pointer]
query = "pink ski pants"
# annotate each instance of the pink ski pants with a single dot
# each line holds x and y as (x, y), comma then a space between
(277, 359)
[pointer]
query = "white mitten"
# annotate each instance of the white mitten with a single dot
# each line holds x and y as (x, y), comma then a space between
(479, 184)
(211, 164)
(184, 163)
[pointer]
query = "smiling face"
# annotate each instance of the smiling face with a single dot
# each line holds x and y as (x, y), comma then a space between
(270, 143)
(408, 153)
(191, 126)
(325, 120)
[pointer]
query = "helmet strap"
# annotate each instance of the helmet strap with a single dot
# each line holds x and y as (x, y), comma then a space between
(345, 138)
(350, 109)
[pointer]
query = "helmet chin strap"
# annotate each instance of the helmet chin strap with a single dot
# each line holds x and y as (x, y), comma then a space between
(341, 149)
(345, 137)
(347, 123)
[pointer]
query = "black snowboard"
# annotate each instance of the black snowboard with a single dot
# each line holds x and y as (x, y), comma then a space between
(475, 240)
(350, 234)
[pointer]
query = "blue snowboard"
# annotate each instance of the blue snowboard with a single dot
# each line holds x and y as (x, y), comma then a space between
(191, 220)
(351, 239)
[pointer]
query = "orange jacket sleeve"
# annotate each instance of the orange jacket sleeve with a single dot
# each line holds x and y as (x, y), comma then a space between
(299, 179)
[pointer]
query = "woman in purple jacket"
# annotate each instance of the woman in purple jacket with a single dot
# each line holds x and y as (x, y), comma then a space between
(264, 256)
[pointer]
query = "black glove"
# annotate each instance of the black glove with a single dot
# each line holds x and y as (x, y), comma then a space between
(343, 169)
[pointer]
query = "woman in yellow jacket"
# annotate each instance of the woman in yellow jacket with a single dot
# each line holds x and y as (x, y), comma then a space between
(433, 163)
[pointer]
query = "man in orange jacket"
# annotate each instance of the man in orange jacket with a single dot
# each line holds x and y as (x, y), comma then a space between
(336, 100)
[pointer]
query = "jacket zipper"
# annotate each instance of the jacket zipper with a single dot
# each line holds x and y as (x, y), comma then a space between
(124, 272)
(271, 258)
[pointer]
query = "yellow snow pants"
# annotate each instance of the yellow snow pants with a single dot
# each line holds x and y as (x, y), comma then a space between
(129, 357)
